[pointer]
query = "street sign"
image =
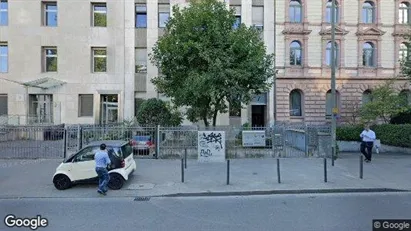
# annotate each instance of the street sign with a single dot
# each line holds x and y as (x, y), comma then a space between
(211, 146)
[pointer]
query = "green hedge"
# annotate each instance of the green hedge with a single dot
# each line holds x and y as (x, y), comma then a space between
(389, 134)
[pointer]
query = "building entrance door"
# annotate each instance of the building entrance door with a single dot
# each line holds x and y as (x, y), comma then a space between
(109, 109)
(258, 115)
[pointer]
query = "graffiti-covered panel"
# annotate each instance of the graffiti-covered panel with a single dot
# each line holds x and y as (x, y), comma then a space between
(211, 146)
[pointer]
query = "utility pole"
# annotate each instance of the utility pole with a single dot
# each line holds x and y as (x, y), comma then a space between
(333, 91)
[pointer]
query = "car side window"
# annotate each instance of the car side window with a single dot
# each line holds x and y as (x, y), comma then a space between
(114, 151)
(86, 154)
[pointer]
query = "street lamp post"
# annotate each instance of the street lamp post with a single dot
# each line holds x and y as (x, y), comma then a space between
(333, 91)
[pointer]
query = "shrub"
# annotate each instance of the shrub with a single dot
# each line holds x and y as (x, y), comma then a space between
(153, 112)
(389, 134)
(402, 118)
(349, 133)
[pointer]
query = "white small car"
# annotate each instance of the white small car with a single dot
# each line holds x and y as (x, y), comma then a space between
(80, 167)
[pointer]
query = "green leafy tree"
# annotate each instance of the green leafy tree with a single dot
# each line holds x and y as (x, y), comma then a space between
(205, 62)
(385, 103)
(153, 112)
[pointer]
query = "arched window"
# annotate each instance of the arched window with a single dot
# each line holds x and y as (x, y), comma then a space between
(404, 12)
(328, 12)
(404, 51)
(296, 11)
(296, 103)
(328, 54)
(368, 12)
(366, 97)
(405, 96)
(368, 57)
(329, 102)
(295, 53)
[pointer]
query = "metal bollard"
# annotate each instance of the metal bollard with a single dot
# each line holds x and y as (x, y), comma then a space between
(361, 166)
(182, 170)
(228, 172)
(325, 169)
(65, 143)
(185, 158)
(332, 156)
(278, 171)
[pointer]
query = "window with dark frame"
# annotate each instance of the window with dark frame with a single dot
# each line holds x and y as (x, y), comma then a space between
(3, 104)
(4, 58)
(296, 103)
(50, 14)
(99, 59)
(404, 13)
(85, 105)
(50, 59)
(295, 11)
(4, 13)
(295, 53)
(163, 15)
(99, 14)
(368, 12)
(368, 58)
(141, 16)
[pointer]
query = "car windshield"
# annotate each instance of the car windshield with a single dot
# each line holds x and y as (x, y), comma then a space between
(141, 138)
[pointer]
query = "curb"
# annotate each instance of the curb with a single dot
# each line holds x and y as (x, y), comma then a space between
(277, 192)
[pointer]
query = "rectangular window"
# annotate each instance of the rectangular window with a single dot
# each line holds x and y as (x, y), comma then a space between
(163, 15)
(237, 12)
(50, 59)
(4, 58)
(141, 60)
(141, 16)
(40, 108)
(4, 15)
(99, 15)
(258, 16)
(3, 105)
(85, 105)
(99, 59)
(50, 14)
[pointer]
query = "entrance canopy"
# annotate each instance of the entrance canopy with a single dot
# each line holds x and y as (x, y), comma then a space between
(45, 83)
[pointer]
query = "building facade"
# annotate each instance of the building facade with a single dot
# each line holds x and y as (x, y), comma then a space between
(88, 62)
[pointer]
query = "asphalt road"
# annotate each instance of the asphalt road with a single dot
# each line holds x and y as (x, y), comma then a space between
(303, 212)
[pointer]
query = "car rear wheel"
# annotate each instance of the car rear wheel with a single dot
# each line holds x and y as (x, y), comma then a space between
(116, 181)
(62, 182)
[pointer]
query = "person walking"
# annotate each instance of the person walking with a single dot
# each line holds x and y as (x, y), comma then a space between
(102, 161)
(368, 137)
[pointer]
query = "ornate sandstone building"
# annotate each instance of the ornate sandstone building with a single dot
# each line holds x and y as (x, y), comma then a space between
(87, 62)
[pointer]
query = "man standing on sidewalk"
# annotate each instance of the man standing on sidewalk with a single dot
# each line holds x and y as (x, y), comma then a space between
(368, 137)
(102, 160)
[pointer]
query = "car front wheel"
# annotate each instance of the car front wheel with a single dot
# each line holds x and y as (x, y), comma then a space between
(61, 182)
(116, 181)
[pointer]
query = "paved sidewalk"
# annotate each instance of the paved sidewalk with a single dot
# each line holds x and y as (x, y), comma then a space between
(33, 178)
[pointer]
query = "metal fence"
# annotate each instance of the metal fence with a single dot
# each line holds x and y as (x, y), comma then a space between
(32, 141)
(59, 141)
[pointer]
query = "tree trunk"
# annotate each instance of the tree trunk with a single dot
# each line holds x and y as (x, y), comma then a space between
(215, 113)
(205, 121)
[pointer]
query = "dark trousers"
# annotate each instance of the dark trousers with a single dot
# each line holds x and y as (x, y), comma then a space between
(367, 153)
